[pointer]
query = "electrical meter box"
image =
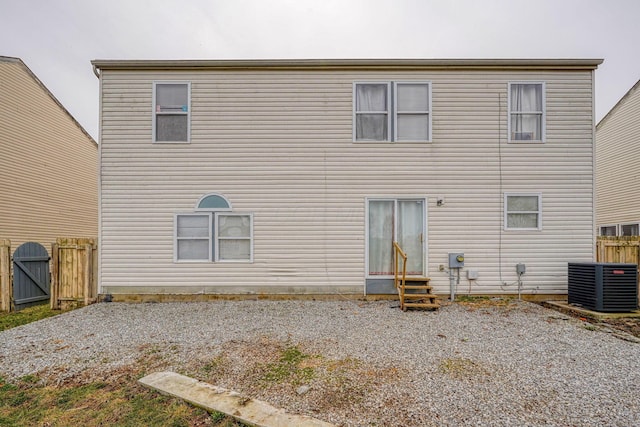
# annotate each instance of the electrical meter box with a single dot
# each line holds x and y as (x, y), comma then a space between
(456, 260)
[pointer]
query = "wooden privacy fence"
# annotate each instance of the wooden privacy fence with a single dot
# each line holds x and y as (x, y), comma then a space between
(74, 272)
(624, 249)
(74, 267)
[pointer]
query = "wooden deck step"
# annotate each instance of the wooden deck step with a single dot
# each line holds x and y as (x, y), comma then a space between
(421, 305)
(418, 286)
(418, 296)
(417, 279)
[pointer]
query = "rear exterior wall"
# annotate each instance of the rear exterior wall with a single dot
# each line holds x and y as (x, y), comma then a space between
(279, 144)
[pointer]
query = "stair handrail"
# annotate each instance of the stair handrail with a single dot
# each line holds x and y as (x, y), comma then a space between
(398, 252)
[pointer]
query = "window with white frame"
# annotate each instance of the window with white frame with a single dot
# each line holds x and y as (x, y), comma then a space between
(523, 211)
(629, 230)
(526, 112)
(371, 111)
(234, 237)
(193, 237)
(386, 112)
(171, 111)
(213, 233)
(609, 230)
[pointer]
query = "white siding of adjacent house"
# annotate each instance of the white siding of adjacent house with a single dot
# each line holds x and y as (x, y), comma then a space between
(279, 144)
(617, 143)
(48, 164)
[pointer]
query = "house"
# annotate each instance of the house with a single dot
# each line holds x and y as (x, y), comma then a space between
(296, 176)
(48, 163)
(617, 177)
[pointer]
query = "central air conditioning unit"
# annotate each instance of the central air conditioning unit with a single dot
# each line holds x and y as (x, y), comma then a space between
(606, 287)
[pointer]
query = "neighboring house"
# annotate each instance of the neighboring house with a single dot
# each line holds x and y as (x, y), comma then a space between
(617, 171)
(48, 163)
(295, 176)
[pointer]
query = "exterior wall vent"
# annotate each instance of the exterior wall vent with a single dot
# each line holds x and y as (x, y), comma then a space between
(606, 287)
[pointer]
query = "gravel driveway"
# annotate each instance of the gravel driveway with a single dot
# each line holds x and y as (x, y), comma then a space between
(368, 363)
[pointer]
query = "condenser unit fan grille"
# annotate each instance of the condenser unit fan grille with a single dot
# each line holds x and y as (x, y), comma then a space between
(603, 287)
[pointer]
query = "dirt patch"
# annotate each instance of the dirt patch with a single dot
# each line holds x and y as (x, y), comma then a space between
(292, 376)
(628, 325)
(461, 368)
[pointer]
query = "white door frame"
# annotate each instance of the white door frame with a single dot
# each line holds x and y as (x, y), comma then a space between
(395, 199)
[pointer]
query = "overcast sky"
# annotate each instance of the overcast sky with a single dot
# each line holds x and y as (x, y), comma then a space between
(57, 39)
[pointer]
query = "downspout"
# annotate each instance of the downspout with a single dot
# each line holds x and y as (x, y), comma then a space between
(594, 204)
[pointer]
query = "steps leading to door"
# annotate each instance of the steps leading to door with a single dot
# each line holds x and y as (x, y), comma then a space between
(420, 295)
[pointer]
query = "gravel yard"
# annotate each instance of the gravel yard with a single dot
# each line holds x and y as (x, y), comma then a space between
(355, 363)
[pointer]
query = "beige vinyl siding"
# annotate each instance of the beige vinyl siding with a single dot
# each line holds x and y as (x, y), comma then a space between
(618, 140)
(48, 164)
(279, 144)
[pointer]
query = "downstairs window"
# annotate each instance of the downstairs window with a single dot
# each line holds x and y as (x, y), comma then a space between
(213, 233)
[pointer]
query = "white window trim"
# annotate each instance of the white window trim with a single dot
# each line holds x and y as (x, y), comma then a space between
(176, 238)
(608, 225)
(218, 238)
(155, 113)
(355, 112)
(396, 112)
(395, 231)
(544, 113)
(506, 212)
(392, 111)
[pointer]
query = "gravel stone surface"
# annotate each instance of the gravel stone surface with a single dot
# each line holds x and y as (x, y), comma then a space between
(513, 364)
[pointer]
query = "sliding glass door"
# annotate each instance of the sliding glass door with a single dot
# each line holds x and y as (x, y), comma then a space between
(400, 220)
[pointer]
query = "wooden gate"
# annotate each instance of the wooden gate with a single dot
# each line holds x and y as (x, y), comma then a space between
(74, 272)
(31, 279)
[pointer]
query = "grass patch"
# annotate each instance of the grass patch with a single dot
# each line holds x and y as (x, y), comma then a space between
(459, 367)
(289, 368)
(213, 365)
(482, 301)
(27, 315)
(471, 298)
(118, 401)
(124, 402)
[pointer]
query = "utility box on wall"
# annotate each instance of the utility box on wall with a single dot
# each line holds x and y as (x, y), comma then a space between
(456, 260)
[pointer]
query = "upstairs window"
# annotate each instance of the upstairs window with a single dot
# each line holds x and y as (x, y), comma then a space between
(523, 211)
(372, 111)
(171, 111)
(386, 112)
(412, 112)
(526, 112)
